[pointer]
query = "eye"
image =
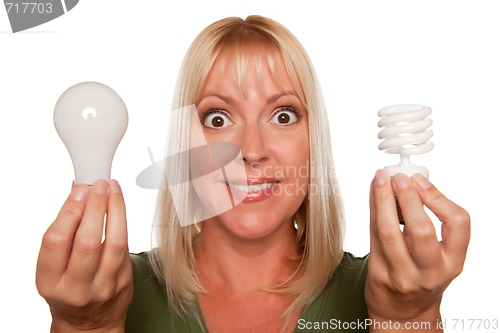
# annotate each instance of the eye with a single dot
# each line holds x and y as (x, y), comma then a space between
(285, 116)
(215, 119)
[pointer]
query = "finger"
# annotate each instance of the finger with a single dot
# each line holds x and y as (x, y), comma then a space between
(421, 234)
(385, 224)
(85, 255)
(115, 248)
(456, 221)
(58, 239)
(375, 248)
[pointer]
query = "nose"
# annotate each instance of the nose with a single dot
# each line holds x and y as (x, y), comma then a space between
(253, 145)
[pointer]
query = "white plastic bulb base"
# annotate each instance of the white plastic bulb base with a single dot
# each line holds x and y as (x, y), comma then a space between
(408, 170)
(91, 119)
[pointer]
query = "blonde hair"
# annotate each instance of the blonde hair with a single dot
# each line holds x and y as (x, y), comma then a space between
(320, 218)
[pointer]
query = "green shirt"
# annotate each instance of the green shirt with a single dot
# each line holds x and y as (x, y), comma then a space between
(340, 306)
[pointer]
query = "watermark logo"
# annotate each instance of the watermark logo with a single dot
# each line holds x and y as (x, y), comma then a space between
(24, 15)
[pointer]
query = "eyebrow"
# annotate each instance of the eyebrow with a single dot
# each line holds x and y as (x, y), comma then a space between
(275, 97)
(225, 99)
(230, 101)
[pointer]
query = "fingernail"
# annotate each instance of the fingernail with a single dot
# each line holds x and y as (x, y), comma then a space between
(381, 177)
(401, 181)
(422, 181)
(78, 192)
(100, 187)
(114, 186)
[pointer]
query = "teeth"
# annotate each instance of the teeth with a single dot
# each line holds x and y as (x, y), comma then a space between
(251, 188)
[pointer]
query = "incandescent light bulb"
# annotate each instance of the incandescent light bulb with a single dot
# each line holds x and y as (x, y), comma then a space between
(91, 119)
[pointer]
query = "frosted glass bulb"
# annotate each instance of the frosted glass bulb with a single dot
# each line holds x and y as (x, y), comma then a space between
(91, 119)
(405, 132)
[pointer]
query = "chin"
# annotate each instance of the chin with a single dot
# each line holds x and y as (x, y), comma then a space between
(258, 217)
(252, 226)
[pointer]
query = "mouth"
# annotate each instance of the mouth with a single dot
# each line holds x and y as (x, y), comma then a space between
(253, 187)
(251, 190)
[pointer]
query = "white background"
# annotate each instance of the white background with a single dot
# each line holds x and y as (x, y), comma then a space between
(368, 54)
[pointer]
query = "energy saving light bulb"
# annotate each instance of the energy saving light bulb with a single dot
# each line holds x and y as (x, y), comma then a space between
(405, 131)
(91, 119)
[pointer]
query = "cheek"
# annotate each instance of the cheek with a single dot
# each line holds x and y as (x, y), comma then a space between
(294, 153)
(293, 159)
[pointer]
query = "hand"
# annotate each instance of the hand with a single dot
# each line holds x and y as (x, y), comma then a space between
(408, 271)
(87, 282)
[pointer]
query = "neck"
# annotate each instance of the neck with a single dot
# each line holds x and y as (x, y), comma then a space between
(245, 265)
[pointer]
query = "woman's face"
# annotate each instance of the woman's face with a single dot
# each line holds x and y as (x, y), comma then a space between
(269, 124)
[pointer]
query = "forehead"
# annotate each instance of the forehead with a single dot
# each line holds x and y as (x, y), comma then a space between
(249, 68)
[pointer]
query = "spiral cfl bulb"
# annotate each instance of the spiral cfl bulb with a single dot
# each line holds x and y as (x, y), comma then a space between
(405, 131)
(91, 119)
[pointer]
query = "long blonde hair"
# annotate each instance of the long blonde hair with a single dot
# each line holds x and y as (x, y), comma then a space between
(320, 218)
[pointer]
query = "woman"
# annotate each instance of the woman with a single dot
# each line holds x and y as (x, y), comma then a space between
(260, 252)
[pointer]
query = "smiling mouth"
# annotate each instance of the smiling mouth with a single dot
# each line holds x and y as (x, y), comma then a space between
(252, 188)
